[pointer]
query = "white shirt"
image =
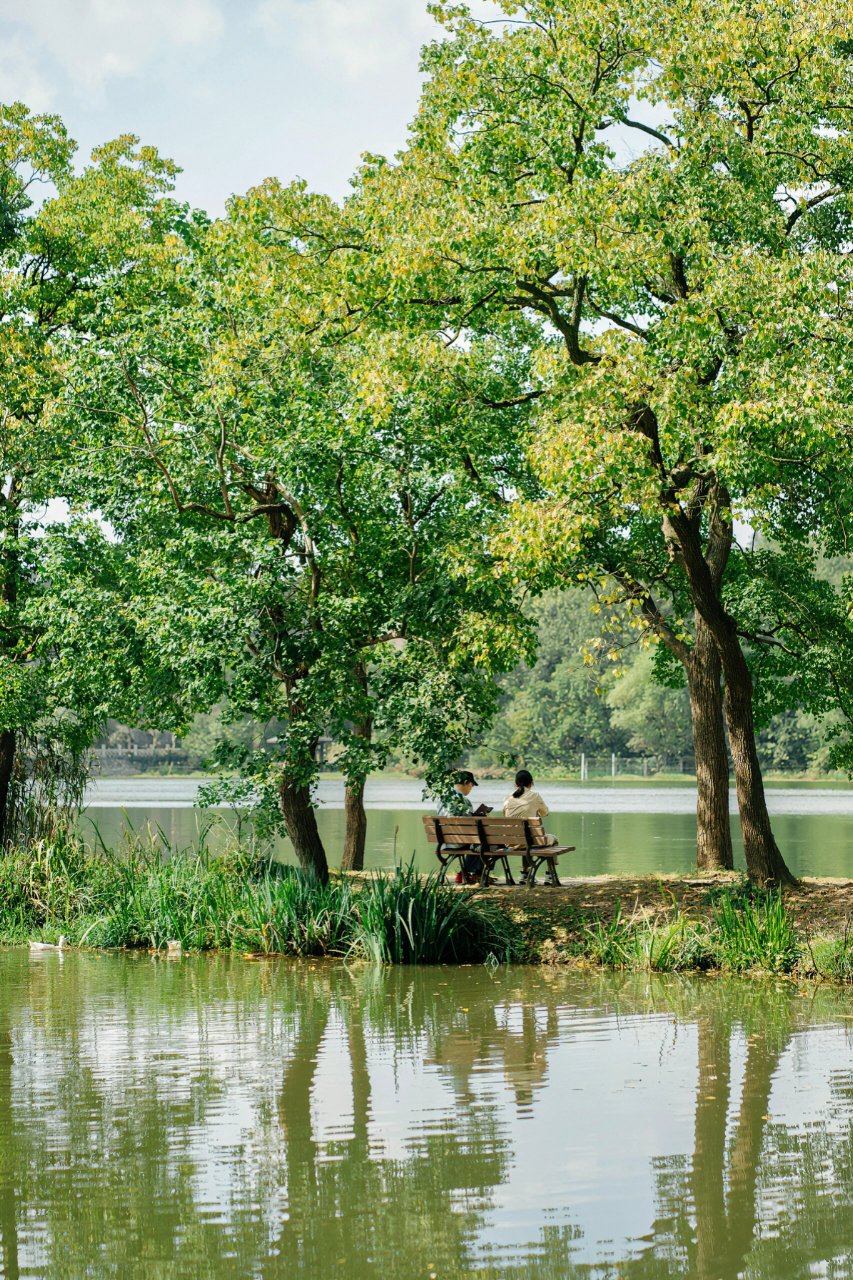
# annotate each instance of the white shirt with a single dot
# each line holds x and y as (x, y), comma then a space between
(528, 805)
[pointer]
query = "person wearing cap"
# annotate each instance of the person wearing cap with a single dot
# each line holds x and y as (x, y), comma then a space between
(458, 805)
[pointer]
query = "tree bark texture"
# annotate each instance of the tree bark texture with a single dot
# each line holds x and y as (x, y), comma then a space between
(301, 820)
(764, 863)
(8, 748)
(704, 572)
(355, 827)
(713, 825)
(355, 818)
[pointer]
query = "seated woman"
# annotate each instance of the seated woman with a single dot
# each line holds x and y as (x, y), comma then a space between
(527, 803)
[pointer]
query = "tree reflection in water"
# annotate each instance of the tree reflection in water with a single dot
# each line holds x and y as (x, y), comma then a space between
(165, 1119)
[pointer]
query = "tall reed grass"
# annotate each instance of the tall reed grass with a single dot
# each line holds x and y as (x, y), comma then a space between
(142, 896)
(755, 930)
(406, 919)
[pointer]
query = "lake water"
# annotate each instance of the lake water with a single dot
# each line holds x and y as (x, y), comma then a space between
(618, 828)
(213, 1117)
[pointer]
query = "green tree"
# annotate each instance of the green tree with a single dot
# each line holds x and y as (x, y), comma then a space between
(655, 718)
(688, 292)
(310, 498)
(556, 708)
(52, 254)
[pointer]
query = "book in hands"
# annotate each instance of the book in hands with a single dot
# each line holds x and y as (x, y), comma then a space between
(482, 810)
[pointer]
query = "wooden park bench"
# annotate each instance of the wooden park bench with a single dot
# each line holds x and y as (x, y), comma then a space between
(496, 840)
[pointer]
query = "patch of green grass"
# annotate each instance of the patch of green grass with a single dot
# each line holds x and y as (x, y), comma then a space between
(748, 930)
(295, 915)
(832, 958)
(668, 946)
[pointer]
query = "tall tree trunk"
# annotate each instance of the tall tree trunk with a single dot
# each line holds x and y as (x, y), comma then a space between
(704, 571)
(713, 825)
(355, 818)
(8, 748)
(764, 863)
(301, 820)
(355, 827)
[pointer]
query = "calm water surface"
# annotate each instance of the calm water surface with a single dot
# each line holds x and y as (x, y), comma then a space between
(623, 828)
(218, 1118)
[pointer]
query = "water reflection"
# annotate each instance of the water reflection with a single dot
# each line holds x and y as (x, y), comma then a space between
(221, 1118)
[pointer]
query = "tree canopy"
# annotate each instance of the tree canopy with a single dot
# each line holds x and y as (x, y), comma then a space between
(590, 323)
(693, 350)
(317, 497)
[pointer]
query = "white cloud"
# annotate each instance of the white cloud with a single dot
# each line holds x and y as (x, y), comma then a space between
(22, 79)
(353, 38)
(94, 41)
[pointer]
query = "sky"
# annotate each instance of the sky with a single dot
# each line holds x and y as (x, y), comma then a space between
(232, 91)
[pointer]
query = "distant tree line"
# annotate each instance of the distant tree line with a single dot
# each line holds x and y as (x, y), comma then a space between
(576, 699)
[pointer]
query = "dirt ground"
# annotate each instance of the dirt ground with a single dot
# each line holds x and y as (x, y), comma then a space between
(820, 906)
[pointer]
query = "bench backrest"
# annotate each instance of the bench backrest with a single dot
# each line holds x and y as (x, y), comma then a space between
(487, 834)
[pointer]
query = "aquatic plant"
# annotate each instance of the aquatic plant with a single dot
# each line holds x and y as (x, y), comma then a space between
(146, 894)
(667, 946)
(294, 914)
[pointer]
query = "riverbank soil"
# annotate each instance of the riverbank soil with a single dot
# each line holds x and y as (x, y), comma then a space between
(548, 915)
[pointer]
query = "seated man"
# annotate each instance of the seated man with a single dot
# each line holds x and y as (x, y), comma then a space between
(459, 806)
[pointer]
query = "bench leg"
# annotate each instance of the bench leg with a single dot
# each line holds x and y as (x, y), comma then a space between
(488, 868)
(507, 873)
(551, 876)
(446, 859)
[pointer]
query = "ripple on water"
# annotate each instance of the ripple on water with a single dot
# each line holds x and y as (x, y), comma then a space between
(213, 1118)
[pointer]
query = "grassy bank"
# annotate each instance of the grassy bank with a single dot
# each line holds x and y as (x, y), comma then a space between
(678, 924)
(139, 898)
(744, 931)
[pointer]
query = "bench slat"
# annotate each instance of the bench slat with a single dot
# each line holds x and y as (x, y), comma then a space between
(497, 839)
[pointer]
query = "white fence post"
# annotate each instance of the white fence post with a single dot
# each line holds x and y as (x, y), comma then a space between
(613, 764)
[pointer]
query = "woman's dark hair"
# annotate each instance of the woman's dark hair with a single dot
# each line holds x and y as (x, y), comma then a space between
(523, 780)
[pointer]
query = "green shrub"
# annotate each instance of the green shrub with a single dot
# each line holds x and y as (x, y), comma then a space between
(405, 919)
